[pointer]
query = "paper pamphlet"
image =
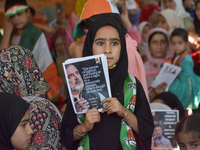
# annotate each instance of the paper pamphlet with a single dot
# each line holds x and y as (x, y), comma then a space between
(167, 74)
(88, 82)
(165, 122)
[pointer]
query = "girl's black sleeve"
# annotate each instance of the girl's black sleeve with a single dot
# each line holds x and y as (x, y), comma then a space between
(69, 122)
(144, 118)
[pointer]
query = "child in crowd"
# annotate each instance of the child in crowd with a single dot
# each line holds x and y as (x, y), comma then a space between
(187, 85)
(125, 121)
(143, 28)
(187, 132)
(15, 129)
(27, 35)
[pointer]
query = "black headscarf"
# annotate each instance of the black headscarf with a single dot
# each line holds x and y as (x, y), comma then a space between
(119, 73)
(12, 110)
(172, 101)
(196, 20)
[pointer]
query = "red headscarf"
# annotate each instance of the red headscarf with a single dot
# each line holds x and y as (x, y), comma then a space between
(147, 11)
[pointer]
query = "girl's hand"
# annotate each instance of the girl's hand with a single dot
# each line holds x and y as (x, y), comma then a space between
(113, 106)
(92, 116)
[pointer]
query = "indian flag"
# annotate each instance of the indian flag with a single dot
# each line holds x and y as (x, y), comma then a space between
(98, 61)
(15, 9)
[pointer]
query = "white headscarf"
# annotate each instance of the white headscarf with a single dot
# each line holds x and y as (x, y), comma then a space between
(172, 19)
(180, 10)
(142, 25)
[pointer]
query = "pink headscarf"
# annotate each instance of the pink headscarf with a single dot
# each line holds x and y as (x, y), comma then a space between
(153, 65)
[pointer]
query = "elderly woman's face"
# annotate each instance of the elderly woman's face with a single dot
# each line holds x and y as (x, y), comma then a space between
(158, 46)
(169, 4)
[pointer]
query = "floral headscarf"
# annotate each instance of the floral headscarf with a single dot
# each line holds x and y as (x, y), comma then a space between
(19, 73)
(153, 66)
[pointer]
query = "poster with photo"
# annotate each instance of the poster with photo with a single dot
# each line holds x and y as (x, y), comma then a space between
(164, 132)
(88, 82)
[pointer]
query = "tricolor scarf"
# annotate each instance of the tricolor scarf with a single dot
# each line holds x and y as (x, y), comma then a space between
(177, 59)
(29, 37)
(127, 138)
(15, 10)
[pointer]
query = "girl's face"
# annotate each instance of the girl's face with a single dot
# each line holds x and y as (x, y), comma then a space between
(178, 45)
(107, 41)
(162, 23)
(187, 141)
(169, 4)
(197, 10)
(145, 31)
(22, 135)
(20, 20)
(158, 46)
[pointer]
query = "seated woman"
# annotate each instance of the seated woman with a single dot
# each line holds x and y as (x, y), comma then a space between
(170, 100)
(15, 130)
(143, 28)
(158, 52)
(20, 75)
(126, 121)
(168, 20)
(186, 21)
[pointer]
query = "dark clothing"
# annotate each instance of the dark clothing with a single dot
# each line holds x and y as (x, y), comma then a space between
(105, 134)
(12, 110)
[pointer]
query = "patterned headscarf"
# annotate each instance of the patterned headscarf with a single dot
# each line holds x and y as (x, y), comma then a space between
(153, 66)
(19, 73)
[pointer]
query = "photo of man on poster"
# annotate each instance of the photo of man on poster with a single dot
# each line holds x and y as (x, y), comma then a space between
(82, 100)
(159, 139)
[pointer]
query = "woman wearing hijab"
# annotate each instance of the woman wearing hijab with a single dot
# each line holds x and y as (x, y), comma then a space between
(143, 28)
(170, 100)
(15, 130)
(168, 20)
(20, 75)
(126, 121)
(158, 51)
(184, 18)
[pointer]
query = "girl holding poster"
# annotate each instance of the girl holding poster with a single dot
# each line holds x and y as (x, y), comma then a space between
(126, 121)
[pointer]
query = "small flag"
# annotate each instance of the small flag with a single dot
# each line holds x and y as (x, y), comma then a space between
(98, 61)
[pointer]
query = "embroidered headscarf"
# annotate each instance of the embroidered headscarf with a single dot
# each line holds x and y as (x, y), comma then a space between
(19, 73)
(12, 110)
(153, 66)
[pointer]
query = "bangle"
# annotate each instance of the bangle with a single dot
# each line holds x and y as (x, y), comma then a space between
(79, 133)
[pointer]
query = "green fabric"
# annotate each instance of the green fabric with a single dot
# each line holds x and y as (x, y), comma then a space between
(50, 12)
(127, 142)
(181, 85)
(29, 37)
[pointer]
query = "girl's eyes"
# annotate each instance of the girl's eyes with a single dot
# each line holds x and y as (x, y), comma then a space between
(100, 43)
(24, 124)
(194, 145)
(182, 146)
(114, 43)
